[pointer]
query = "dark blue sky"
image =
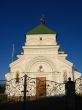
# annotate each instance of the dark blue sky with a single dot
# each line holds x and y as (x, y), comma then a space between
(19, 16)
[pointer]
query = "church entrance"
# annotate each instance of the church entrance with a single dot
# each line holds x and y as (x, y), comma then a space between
(40, 87)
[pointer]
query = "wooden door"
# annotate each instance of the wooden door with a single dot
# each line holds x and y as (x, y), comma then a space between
(40, 87)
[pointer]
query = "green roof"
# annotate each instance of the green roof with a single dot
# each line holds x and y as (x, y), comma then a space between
(41, 29)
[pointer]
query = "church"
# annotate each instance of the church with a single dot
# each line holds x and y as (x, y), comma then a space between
(45, 65)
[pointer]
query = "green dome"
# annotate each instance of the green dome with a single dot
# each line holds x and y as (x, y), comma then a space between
(41, 29)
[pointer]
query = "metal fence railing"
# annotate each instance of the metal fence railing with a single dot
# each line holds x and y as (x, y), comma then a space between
(26, 87)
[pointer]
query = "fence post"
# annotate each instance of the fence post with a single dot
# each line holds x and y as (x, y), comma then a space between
(25, 86)
(70, 94)
(25, 90)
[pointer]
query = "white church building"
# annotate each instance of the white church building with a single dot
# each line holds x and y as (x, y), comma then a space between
(43, 62)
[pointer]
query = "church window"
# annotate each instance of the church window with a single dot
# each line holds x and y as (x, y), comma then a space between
(17, 76)
(65, 76)
(40, 68)
(40, 38)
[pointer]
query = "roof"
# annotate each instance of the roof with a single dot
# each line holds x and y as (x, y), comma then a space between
(41, 29)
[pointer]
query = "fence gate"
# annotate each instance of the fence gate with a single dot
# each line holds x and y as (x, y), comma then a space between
(36, 87)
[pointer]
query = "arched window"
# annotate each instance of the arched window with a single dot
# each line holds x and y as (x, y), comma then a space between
(65, 76)
(40, 38)
(17, 76)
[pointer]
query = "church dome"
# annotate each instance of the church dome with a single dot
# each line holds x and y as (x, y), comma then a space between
(41, 29)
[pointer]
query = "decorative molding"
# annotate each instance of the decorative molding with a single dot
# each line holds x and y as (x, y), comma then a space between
(39, 59)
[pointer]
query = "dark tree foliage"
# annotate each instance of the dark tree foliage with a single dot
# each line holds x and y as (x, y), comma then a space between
(2, 89)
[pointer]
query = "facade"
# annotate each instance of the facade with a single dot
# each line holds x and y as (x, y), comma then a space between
(42, 62)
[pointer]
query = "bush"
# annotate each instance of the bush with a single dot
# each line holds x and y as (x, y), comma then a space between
(3, 98)
(2, 89)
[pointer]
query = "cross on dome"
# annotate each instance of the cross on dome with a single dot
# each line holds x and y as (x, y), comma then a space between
(42, 20)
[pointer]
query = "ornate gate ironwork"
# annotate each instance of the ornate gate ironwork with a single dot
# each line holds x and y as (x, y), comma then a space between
(55, 89)
(14, 88)
(78, 86)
